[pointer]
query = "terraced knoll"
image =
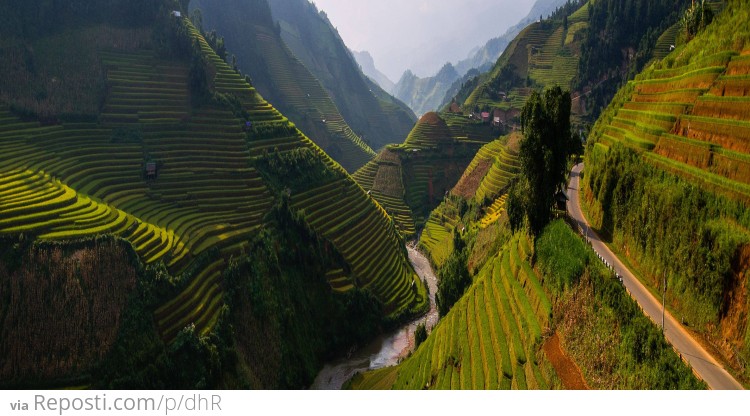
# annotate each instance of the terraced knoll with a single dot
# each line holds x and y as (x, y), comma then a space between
(431, 131)
(409, 179)
(488, 340)
(383, 179)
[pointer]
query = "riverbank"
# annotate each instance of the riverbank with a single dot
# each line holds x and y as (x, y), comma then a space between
(387, 349)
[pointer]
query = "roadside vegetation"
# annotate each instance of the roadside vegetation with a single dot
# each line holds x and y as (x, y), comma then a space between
(668, 180)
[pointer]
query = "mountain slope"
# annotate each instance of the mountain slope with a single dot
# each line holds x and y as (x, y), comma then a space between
(170, 166)
(487, 55)
(365, 61)
(280, 76)
(373, 115)
(425, 94)
(544, 54)
(676, 138)
(433, 93)
(569, 49)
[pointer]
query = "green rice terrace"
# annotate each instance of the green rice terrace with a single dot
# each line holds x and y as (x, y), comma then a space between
(543, 55)
(303, 95)
(177, 182)
(484, 181)
(688, 115)
(488, 340)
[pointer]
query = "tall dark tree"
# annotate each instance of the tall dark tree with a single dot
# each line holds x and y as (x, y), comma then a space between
(544, 153)
(454, 277)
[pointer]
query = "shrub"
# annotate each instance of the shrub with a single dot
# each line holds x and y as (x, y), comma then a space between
(420, 335)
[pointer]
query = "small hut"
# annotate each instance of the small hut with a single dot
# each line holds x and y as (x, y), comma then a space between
(151, 170)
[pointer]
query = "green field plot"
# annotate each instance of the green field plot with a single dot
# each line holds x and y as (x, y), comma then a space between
(489, 338)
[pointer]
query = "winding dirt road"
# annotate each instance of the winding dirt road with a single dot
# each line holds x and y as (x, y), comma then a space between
(704, 365)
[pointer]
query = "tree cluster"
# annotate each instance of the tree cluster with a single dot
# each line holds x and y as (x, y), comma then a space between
(545, 150)
(695, 19)
(615, 26)
(454, 277)
(29, 19)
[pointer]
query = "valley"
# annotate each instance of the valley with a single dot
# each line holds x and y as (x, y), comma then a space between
(213, 195)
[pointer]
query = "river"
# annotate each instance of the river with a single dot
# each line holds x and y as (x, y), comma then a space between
(387, 349)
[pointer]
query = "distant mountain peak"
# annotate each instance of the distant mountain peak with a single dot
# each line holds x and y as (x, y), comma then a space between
(367, 63)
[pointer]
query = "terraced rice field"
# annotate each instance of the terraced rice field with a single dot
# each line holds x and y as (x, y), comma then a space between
(342, 212)
(544, 52)
(437, 235)
(83, 179)
(489, 340)
(367, 238)
(382, 177)
(205, 194)
(692, 120)
(503, 169)
(304, 94)
(476, 171)
(431, 131)
(494, 211)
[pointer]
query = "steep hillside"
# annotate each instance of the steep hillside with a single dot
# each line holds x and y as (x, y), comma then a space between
(673, 145)
(570, 50)
(409, 180)
(374, 115)
(251, 35)
(498, 336)
(544, 54)
(487, 55)
(435, 92)
(189, 165)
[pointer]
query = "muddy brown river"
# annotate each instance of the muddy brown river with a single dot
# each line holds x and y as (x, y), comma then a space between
(387, 349)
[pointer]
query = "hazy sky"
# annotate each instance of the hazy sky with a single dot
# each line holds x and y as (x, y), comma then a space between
(420, 34)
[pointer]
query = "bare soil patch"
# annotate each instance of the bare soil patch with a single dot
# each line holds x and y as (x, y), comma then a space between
(468, 184)
(568, 371)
